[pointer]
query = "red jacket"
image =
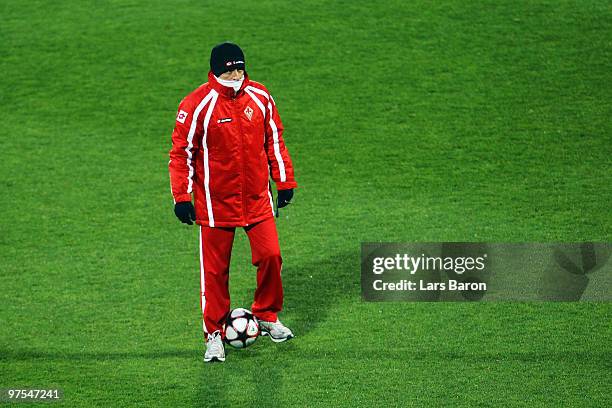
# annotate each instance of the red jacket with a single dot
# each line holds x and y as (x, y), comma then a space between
(225, 147)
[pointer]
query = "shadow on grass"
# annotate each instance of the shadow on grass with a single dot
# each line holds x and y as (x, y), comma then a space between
(312, 290)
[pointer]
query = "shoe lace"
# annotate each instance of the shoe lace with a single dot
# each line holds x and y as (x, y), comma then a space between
(279, 326)
(271, 324)
(214, 341)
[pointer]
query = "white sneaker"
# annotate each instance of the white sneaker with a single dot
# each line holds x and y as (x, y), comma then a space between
(277, 331)
(215, 351)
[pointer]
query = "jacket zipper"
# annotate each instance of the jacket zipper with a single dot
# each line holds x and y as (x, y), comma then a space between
(238, 119)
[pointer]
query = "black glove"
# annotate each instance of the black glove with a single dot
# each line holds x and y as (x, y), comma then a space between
(284, 198)
(185, 212)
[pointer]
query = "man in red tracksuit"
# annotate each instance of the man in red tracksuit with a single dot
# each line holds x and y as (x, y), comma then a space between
(226, 144)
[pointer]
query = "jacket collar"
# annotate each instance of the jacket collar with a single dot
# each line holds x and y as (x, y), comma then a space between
(224, 90)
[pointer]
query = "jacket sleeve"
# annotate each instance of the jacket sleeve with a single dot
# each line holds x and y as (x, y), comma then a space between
(185, 145)
(281, 168)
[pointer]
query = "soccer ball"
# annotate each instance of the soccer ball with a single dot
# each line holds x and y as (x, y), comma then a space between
(241, 328)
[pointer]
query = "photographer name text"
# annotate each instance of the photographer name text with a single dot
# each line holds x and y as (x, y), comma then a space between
(421, 285)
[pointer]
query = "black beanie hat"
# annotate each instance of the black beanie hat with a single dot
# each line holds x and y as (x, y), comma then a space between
(226, 57)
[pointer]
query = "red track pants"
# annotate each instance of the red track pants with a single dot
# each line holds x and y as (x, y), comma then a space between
(215, 253)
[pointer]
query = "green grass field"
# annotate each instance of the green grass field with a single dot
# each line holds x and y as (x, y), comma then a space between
(407, 121)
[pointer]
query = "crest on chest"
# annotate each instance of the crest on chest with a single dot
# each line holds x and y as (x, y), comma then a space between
(248, 111)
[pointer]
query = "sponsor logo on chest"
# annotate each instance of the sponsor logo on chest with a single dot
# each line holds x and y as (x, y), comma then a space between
(181, 116)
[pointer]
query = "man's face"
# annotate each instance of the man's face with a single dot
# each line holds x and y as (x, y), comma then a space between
(234, 75)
